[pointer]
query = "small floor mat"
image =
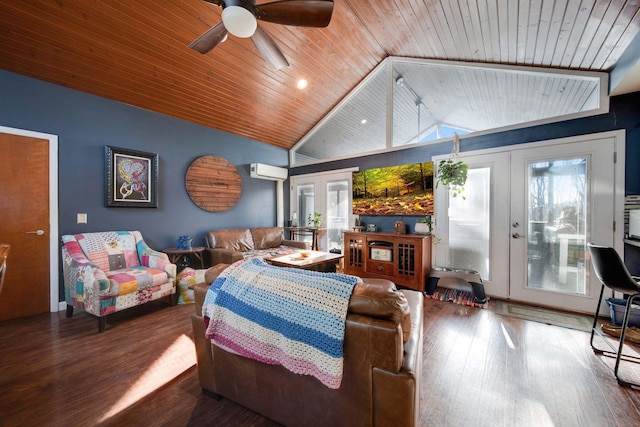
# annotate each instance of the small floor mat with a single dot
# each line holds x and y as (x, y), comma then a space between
(544, 315)
(456, 296)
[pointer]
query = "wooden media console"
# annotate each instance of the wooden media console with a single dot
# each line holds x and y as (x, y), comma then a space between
(405, 259)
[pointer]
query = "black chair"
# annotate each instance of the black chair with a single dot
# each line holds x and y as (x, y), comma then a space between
(613, 274)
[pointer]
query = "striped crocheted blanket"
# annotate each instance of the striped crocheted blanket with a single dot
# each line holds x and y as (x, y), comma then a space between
(285, 316)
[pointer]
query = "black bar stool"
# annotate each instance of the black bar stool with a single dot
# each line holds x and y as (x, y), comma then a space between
(613, 274)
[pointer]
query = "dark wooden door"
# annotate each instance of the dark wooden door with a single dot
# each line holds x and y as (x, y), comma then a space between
(24, 209)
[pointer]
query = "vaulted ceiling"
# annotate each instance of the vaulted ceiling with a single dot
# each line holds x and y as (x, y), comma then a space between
(136, 52)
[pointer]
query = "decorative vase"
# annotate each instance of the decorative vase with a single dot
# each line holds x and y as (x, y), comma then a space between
(422, 228)
(185, 243)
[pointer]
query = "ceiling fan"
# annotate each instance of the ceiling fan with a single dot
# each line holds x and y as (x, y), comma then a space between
(239, 17)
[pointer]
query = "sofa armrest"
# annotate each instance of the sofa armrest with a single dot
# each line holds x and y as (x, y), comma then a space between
(412, 358)
(396, 395)
(204, 355)
(82, 278)
(72, 253)
(296, 244)
(199, 294)
(200, 289)
(155, 259)
(223, 256)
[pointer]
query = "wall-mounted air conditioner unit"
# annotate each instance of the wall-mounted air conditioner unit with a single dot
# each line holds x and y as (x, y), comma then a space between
(273, 173)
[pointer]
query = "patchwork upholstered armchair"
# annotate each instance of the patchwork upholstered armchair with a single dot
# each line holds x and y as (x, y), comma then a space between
(111, 271)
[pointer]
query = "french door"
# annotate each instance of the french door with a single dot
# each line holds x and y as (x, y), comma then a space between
(528, 215)
(328, 194)
(562, 197)
(471, 228)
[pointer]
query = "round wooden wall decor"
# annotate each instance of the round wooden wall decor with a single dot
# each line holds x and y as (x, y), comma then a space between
(213, 183)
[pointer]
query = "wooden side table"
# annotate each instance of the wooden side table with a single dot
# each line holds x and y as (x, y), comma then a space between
(296, 232)
(189, 255)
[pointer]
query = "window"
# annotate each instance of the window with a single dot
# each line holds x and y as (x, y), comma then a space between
(404, 102)
(328, 194)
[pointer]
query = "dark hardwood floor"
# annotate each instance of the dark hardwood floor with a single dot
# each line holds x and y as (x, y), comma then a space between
(480, 369)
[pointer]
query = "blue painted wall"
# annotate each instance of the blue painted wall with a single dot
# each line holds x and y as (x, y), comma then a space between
(624, 114)
(85, 124)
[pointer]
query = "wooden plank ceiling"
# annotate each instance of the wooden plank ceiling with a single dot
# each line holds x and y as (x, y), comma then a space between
(136, 52)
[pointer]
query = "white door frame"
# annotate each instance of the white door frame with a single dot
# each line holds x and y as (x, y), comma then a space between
(600, 195)
(441, 203)
(54, 303)
(497, 284)
(319, 179)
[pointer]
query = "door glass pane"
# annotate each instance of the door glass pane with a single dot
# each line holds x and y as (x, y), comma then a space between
(470, 225)
(305, 208)
(338, 207)
(557, 225)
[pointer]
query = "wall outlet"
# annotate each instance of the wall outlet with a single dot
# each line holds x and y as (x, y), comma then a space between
(82, 218)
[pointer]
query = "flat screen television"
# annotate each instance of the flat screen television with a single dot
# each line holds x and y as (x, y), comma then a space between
(405, 190)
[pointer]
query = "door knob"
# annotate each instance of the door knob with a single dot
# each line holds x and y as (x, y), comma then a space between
(38, 232)
(517, 236)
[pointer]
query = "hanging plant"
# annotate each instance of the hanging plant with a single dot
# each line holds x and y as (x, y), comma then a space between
(452, 173)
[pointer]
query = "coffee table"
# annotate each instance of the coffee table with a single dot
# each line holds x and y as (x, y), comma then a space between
(316, 261)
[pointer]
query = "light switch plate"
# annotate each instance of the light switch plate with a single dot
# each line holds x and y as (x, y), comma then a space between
(82, 218)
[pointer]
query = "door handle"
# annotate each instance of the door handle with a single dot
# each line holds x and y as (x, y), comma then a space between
(38, 232)
(517, 236)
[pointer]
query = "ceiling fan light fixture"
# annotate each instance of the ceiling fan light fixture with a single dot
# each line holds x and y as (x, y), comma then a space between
(239, 21)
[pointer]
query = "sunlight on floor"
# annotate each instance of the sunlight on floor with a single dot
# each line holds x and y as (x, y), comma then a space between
(507, 337)
(540, 414)
(175, 360)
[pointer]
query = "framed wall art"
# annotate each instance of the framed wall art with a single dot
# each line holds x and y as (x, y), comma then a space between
(131, 178)
(394, 190)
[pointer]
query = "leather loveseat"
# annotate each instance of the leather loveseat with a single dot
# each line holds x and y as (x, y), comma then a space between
(381, 375)
(231, 245)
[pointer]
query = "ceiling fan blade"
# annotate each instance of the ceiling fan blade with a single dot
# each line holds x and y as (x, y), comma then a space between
(269, 49)
(210, 39)
(301, 13)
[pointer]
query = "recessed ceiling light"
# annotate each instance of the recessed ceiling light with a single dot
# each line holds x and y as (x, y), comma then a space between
(363, 121)
(302, 83)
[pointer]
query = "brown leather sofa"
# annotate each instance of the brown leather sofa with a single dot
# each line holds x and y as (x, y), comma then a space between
(231, 245)
(381, 376)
